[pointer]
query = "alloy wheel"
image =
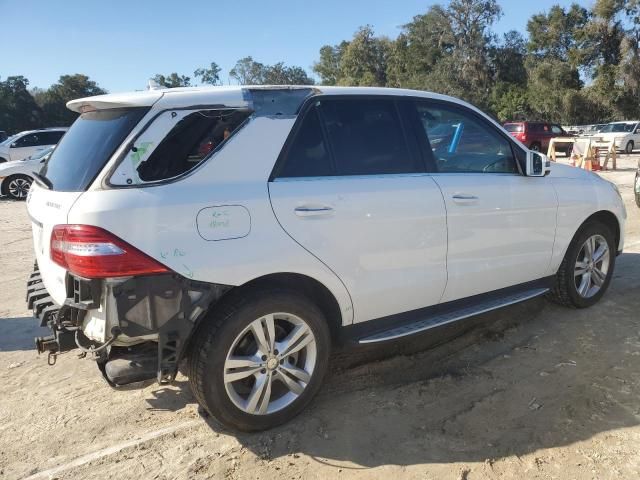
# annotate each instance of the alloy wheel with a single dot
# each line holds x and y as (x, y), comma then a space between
(19, 188)
(270, 363)
(592, 266)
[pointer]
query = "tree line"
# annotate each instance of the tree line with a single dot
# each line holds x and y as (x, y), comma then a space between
(575, 65)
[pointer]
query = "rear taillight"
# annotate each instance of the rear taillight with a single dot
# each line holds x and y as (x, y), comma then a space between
(523, 137)
(92, 252)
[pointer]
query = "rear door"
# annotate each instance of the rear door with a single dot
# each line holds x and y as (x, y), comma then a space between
(351, 188)
(501, 224)
(49, 139)
(68, 172)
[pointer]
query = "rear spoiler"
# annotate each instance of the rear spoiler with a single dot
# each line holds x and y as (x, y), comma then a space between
(117, 100)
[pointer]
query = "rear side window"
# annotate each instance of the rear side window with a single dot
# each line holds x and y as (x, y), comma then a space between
(461, 142)
(50, 138)
(87, 146)
(350, 136)
(175, 142)
(190, 141)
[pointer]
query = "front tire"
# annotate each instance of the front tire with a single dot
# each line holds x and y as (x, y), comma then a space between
(535, 146)
(585, 272)
(628, 149)
(17, 186)
(259, 359)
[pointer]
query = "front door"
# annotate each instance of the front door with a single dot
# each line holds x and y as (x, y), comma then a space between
(351, 188)
(501, 224)
(24, 147)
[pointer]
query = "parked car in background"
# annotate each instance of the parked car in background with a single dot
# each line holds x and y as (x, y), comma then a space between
(322, 216)
(3, 136)
(25, 144)
(536, 135)
(16, 177)
(636, 185)
(626, 135)
(591, 130)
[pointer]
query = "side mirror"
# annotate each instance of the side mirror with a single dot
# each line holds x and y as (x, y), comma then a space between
(538, 164)
(13, 145)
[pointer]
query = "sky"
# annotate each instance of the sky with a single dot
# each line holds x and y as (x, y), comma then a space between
(121, 44)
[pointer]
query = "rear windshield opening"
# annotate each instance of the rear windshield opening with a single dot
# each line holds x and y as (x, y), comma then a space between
(191, 140)
(87, 147)
(514, 127)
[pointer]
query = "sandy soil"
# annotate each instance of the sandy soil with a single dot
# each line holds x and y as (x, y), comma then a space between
(533, 391)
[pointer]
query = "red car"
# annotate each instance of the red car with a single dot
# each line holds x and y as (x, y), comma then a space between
(536, 135)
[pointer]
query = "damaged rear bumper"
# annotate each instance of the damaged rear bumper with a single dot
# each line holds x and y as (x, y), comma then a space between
(154, 316)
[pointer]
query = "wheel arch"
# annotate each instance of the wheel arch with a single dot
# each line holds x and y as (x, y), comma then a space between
(313, 289)
(607, 218)
(305, 285)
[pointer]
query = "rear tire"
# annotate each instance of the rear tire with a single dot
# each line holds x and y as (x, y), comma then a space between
(244, 387)
(583, 276)
(636, 188)
(535, 146)
(17, 186)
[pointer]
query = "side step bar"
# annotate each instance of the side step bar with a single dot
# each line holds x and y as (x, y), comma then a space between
(452, 316)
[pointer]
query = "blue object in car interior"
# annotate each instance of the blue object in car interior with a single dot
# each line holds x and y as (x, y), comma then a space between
(456, 138)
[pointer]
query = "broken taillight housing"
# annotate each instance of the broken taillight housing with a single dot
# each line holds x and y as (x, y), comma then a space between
(92, 252)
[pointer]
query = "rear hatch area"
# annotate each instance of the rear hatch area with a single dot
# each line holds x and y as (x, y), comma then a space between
(69, 171)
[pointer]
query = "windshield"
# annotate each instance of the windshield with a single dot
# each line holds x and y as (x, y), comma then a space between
(87, 146)
(617, 127)
(8, 140)
(513, 127)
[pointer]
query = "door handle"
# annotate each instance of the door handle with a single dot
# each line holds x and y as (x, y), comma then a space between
(313, 211)
(464, 198)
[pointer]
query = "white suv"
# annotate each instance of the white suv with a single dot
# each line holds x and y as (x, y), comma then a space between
(247, 230)
(25, 144)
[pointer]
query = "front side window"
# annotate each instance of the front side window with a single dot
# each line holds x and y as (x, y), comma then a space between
(175, 142)
(462, 142)
(30, 140)
(556, 130)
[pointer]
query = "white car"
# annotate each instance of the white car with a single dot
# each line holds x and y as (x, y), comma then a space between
(16, 177)
(626, 135)
(246, 230)
(31, 142)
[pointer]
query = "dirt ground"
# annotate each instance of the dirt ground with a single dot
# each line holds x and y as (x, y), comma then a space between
(533, 391)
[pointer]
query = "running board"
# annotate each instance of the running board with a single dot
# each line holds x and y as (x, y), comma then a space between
(453, 316)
